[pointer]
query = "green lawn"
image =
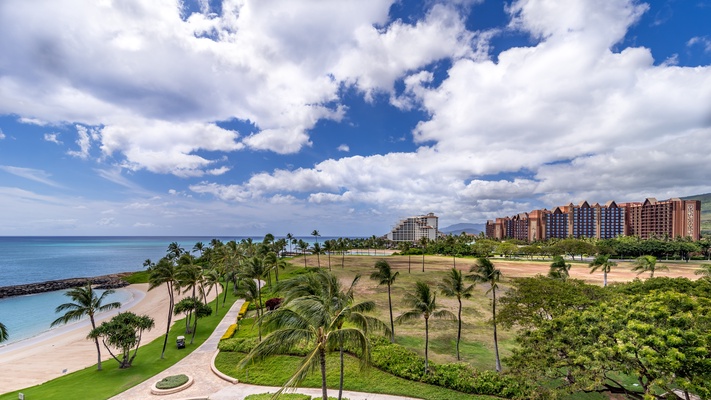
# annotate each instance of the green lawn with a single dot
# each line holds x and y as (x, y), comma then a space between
(274, 371)
(92, 384)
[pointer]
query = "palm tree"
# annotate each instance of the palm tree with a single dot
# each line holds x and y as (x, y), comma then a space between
(212, 280)
(647, 264)
(174, 251)
(316, 249)
(559, 269)
(328, 247)
(85, 303)
(199, 247)
(423, 243)
(165, 273)
(315, 234)
(385, 276)
(453, 286)
(290, 240)
(192, 305)
(3, 333)
(311, 320)
(303, 246)
(704, 270)
(326, 286)
(602, 262)
(485, 272)
(423, 303)
(254, 268)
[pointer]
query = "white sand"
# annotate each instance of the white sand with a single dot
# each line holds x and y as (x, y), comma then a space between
(66, 349)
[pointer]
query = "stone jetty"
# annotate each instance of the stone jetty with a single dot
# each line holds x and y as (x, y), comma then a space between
(112, 281)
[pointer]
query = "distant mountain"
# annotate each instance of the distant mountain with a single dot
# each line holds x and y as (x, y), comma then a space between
(457, 229)
(705, 211)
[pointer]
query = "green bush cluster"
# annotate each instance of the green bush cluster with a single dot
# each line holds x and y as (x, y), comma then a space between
(173, 381)
(245, 345)
(286, 396)
(241, 345)
(401, 362)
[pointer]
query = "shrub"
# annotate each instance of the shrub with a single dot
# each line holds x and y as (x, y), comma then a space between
(241, 345)
(230, 332)
(273, 303)
(242, 311)
(401, 362)
(173, 381)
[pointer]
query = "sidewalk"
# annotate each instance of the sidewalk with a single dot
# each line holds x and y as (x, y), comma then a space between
(197, 364)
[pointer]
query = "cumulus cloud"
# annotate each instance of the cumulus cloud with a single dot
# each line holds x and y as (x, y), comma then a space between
(52, 138)
(344, 147)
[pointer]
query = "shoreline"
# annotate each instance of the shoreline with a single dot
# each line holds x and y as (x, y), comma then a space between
(110, 281)
(65, 349)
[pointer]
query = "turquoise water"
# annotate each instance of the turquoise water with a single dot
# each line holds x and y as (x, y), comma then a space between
(36, 259)
(28, 316)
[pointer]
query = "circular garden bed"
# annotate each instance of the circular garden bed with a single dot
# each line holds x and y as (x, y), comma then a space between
(172, 384)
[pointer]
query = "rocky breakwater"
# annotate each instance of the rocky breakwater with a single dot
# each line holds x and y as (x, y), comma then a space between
(112, 281)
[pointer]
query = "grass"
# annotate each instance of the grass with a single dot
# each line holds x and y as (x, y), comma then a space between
(93, 384)
(276, 370)
(138, 277)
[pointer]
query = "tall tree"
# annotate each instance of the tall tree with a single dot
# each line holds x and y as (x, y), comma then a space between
(604, 263)
(85, 303)
(303, 246)
(423, 244)
(647, 264)
(212, 281)
(484, 271)
(424, 304)
(174, 251)
(312, 320)
(453, 286)
(199, 247)
(290, 239)
(329, 247)
(385, 276)
(165, 273)
(341, 302)
(254, 268)
(315, 234)
(124, 332)
(192, 305)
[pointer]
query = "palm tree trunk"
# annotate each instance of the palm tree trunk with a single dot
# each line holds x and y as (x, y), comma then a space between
(170, 317)
(423, 260)
(224, 297)
(96, 340)
(259, 295)
(392, 323)
(427, 343)
(329, 260)
(459, 328)
(604, 278)
(409, 263)
(322, 355)
(340, 384)
(496, 340)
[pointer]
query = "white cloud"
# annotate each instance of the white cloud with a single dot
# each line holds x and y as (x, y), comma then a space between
(32, 174)
(52, 138)
(84, 143)
(702, 41)
(344, 147)
(109, 221)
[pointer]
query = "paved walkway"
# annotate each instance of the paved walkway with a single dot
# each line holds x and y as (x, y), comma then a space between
(196, 364)
(208, 386)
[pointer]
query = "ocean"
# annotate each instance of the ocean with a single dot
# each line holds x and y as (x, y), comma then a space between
(36, 259)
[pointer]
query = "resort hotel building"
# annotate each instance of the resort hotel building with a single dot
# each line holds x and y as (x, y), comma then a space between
(412, 229)
(650, 218)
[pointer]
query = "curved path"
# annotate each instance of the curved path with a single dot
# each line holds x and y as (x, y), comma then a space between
(207, 385)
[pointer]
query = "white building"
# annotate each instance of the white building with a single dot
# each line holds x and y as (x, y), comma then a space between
(412, 229)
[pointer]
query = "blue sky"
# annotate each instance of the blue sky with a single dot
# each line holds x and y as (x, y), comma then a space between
(243, 117)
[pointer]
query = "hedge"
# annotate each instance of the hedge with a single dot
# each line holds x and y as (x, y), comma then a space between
(230, 332)
(242, 311)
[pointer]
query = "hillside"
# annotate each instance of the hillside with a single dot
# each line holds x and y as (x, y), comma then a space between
(705, 211)
(457, 229)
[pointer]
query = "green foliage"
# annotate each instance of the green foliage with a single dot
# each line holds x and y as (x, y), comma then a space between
(138, 277)
(242, 345)
(654, 331)
(287, 396)
(173, 381)
(401, 362)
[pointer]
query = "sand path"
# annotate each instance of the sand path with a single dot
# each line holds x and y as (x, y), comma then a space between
(66, 349)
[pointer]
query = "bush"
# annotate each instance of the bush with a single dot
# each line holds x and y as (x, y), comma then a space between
(242, 311)
(230, 332)
(401, 362)
(173, 381)
(241, 345)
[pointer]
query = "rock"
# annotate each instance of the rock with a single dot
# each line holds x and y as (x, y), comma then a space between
(112, 281)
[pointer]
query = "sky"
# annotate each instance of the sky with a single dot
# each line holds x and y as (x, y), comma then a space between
(247, 117)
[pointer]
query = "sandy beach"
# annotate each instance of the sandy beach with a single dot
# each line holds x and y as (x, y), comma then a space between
(66, 349)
